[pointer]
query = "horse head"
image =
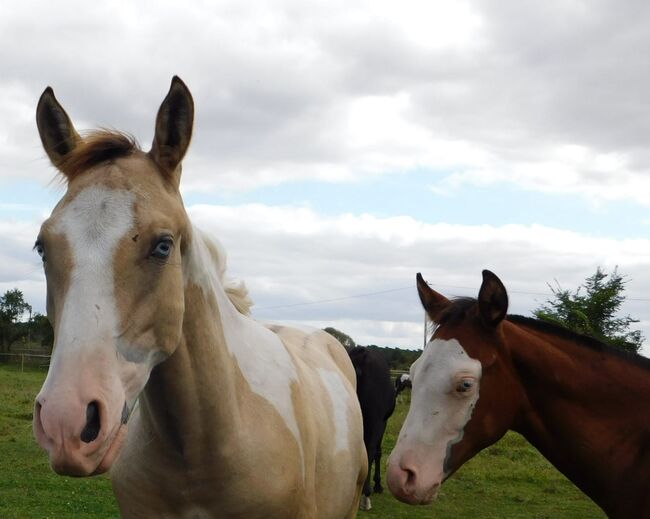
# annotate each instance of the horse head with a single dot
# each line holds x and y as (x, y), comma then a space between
(111, 253)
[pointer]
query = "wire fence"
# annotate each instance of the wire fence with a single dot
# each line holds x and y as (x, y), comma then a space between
(32, 360)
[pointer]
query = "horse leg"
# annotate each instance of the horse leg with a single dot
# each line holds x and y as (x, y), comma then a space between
(378, 489)
(365, 496)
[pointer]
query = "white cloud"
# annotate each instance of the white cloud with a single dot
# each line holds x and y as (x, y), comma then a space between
(293, 256)
(548, 97)
(551, 98)
(356, 272)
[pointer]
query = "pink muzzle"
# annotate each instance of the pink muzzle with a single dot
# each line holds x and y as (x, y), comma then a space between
(80, 437)
(412, 481)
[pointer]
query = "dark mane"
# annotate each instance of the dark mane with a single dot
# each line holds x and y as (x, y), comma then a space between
(590, 342)
(457, 310)
(459, 307)
(95, 148)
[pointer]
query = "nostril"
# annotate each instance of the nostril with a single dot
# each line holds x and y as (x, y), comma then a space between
(410, 478)
(37, 417)
(93, 425)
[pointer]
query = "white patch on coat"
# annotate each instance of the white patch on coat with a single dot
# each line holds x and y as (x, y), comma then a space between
(263, 359)
(404, 377)
(333, 382)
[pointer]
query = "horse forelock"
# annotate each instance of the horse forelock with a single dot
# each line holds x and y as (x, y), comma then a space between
(96, 147)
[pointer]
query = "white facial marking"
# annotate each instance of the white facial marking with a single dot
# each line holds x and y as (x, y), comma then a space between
(93, 224)
(439, 410)
(263, 359)
(333, 382)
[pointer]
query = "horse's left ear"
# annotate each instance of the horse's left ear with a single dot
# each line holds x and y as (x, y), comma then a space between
(173, 129)
(492, 299)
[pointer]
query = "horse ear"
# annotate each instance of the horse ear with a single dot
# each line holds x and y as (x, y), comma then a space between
(432, 301)
(492, 299)
(173, 129)
(55, 128)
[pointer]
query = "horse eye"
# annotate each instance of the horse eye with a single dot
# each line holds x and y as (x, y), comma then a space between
(163, 248)
(40, 250)
(465, 385)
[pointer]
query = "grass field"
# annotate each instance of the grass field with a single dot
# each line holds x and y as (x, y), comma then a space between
(509, 480)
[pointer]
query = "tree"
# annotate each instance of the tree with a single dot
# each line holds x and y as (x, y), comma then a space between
(592, 310)
(343, 338)
(12, 308)
(41, 331)
(13, 305)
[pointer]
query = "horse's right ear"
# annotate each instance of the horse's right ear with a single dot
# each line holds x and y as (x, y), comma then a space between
(55, 128)
(432, 301)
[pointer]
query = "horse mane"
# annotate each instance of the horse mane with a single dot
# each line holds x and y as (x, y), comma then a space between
(457, 310)
(459, 307)
(96, 147)
(235, 290)
(584, 340)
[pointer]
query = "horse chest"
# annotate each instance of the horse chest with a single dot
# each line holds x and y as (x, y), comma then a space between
(217, 483)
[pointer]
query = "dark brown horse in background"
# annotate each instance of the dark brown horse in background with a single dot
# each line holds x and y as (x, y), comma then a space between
(582, 404)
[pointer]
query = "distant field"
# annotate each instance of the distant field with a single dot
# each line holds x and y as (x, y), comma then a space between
(509, 480)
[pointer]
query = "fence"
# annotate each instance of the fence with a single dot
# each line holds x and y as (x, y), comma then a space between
(27, 359)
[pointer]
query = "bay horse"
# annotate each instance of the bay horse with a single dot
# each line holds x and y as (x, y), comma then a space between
(234, 419)
(582, 404)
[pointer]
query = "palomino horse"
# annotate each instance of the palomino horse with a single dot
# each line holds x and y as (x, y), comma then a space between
(583, 405)
(234, 419)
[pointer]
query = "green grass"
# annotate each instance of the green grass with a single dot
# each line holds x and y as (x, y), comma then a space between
(508, 480)
(28, 487)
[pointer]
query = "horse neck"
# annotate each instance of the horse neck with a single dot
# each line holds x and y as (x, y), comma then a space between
(583, 410)
(190, 399)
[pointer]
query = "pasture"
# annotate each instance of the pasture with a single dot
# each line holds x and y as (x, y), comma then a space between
(508, 480)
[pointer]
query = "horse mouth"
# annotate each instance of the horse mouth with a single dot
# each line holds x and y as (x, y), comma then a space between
(113, 451)
(431, 495)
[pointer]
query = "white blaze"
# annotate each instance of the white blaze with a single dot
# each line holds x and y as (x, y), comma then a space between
(438, 412)
(93, 224)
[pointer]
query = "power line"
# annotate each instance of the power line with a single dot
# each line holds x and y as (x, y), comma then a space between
(355, 296)
(370, 294)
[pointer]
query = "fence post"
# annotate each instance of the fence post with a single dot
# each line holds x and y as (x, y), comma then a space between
(22, 363)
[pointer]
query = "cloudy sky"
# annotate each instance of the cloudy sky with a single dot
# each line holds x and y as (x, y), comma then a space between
(341, 147)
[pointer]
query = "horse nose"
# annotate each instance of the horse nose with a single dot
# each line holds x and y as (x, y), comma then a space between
(407, 485)
(402, 481)
(61, 425)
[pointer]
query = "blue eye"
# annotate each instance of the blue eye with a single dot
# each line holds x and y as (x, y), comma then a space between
(465, 385)
(163, 248)
(40, 250)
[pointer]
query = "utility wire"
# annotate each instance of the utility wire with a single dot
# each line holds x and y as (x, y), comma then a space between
(370, 294)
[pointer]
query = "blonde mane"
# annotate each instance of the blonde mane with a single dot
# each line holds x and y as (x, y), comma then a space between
(235, 290)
